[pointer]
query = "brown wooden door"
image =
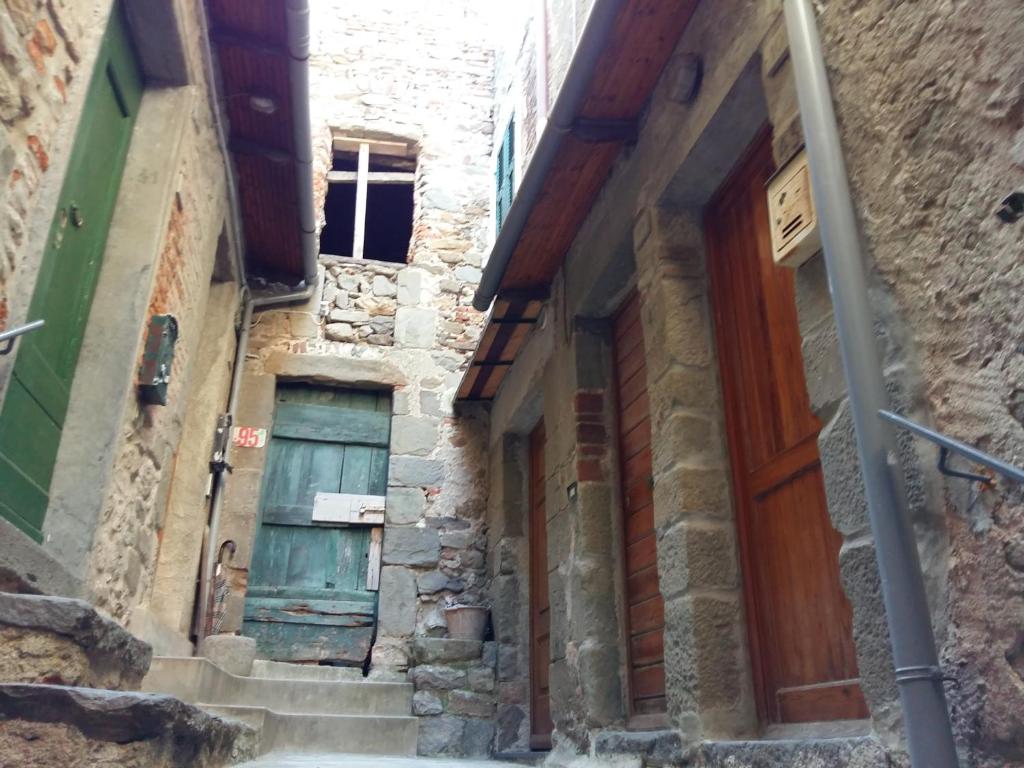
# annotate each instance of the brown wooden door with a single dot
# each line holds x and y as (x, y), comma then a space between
(800, 620)
(540, 603)
(645, 609)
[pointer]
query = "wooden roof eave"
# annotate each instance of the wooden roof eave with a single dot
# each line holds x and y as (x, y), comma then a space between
(622, 53)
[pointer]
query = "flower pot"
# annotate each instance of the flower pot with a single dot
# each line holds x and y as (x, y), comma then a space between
(466, 622)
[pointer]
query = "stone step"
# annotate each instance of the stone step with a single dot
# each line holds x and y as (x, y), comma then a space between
(198, 680)
(444, 650)
(52, 725)
(61, 641)
(288, 760)
(281, 670)
(349, 734)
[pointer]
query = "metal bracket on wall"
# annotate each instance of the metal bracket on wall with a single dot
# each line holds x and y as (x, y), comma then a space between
(948, 445)
(7, 338)
(948, 471)
(221, 437)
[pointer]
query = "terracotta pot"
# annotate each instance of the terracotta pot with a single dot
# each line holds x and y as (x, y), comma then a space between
(466, 622)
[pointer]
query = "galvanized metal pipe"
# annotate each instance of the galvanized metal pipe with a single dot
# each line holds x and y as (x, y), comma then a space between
(297, 15)
(925, 714)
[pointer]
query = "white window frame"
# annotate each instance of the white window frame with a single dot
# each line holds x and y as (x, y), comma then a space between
(362, 177)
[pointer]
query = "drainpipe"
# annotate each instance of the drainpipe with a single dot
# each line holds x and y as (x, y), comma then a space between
(298, 49)
(561, 118)
(297, 14)
(929, 733)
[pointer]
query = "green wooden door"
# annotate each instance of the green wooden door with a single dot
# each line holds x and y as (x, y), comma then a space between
(307, 598)
(37, 396)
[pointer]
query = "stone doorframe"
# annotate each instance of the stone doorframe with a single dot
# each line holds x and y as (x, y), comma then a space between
(240, 514)
(513, 418)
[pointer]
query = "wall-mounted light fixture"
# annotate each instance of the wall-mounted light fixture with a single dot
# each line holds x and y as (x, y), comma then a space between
(572, 492)
(685, 75)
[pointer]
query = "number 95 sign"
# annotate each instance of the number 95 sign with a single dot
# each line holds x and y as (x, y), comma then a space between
(248, 437)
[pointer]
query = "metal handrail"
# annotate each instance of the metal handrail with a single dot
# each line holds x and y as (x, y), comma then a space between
(1009, 471)
(8, 337)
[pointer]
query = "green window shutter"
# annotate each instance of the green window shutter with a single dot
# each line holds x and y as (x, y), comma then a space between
(506, 173)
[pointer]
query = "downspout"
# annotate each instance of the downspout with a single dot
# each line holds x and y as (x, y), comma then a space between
(573, 92)
(929, 733)
(297, 12)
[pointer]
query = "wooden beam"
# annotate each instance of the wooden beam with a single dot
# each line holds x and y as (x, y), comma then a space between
(373, 558)
(377, 147)
(235, 40)
(361, 189)
(352, 177)
(243, 147)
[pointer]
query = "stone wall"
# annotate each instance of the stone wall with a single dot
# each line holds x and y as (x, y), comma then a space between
(117, 457)
(421, 73)
(931, 153)
(933, 142)
(42, 46)
(455, 696)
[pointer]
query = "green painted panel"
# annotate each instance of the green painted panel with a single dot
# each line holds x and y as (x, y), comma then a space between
(323, 440)
(296, 593)
(311, 642)
(34, 409)
(337, 613)
(332, 424)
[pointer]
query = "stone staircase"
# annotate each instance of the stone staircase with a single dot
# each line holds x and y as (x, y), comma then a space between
(296, 708)
(69, 698)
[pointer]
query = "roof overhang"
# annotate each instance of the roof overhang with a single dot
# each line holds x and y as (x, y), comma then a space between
(250, 43)
(620, 57)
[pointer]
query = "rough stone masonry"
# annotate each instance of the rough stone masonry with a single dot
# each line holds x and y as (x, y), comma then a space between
(404, 327)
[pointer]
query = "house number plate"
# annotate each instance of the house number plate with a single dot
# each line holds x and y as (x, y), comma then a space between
(248, 437)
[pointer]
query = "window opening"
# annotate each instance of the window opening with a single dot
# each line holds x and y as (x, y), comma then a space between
(370, 200)
(506, 173)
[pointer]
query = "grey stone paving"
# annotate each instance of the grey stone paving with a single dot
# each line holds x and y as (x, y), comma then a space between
(367, 761)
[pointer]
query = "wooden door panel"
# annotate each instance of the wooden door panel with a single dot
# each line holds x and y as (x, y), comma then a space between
(810, 643)
(37, 397)
(800, 620)
(644, 609)
(308, 597)
(541, 724)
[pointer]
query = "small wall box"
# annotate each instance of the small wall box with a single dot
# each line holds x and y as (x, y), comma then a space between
(794, 222)
(158, 359)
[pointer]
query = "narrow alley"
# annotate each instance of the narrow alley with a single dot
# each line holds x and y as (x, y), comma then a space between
(462, 384)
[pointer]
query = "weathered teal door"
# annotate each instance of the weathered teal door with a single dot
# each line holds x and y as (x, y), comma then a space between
(37, 396)
(307, 598)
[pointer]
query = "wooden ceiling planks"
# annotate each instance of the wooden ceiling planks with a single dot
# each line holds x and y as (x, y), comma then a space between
(507, 330)
(643, 38)
(560, 211)
(262, 20)
(251, 43)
